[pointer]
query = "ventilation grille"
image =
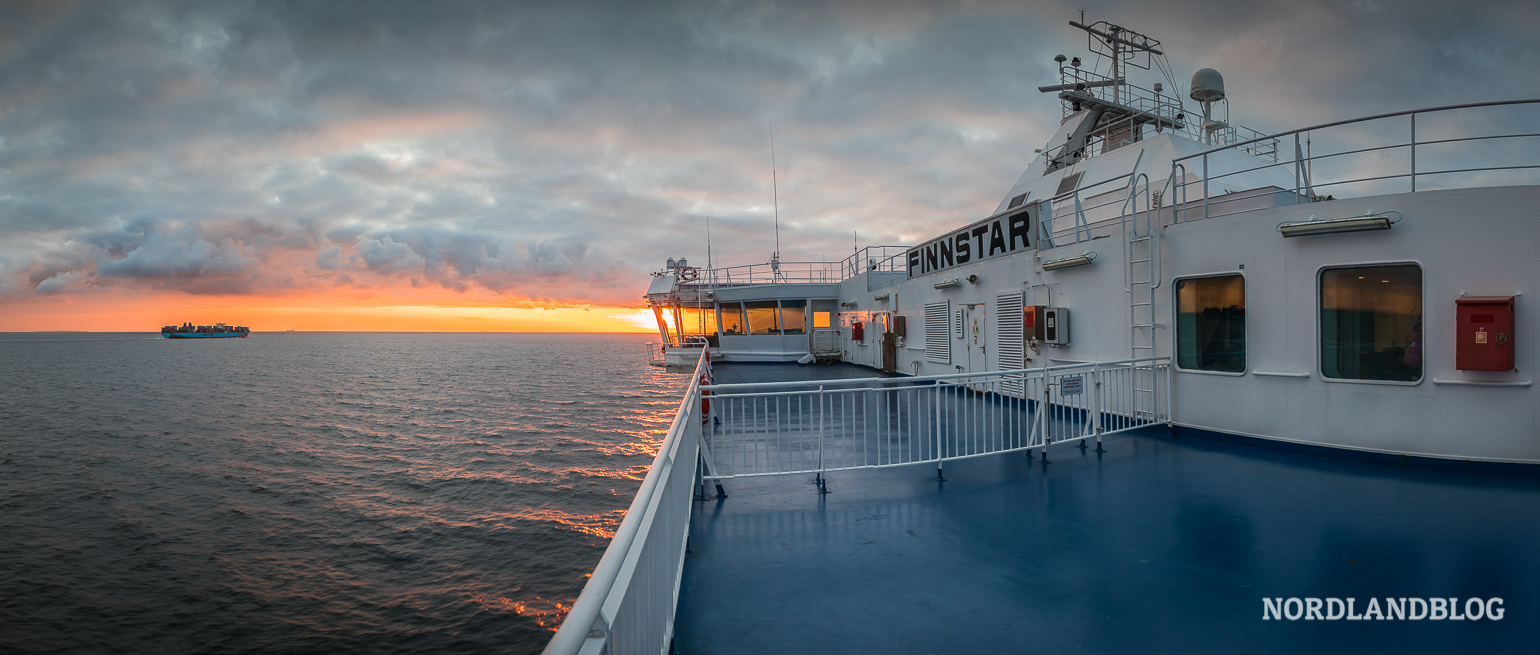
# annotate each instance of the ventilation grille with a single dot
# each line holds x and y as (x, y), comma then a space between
(1010, 347)
(938, 348)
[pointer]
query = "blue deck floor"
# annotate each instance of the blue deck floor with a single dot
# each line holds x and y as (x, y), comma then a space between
(1164, 543)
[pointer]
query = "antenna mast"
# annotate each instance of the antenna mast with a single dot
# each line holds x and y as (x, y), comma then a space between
(775, 195)
(708, 243)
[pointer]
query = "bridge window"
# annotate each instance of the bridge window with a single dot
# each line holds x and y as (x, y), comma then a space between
(1211, 324)
(1371, 323)
(793, 317)
(732, 318)
(764, 317)
(697, 321)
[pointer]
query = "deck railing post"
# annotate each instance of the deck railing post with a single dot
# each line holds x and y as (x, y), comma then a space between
(1414, 152)
(939, 455)
(1096, 404)
(1168, 392)
(822, 484)
(1297, 164)
(1205, 185)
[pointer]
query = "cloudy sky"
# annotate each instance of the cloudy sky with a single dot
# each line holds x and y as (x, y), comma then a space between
(473, 165)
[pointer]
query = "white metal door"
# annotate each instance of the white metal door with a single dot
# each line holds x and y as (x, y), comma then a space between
(974, 336)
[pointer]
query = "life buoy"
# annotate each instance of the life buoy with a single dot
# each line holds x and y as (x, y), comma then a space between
(689, 274)
(705, 398)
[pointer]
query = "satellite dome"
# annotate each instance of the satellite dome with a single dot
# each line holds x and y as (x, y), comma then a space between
(1207, 85)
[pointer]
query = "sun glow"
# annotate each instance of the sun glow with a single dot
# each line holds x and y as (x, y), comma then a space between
(147, 312)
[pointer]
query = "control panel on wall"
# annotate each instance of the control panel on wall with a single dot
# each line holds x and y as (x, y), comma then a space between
(1484, 333)
(1049, 325)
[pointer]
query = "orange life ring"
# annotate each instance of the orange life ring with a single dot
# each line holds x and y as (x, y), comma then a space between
(688, 274)
(705, 398)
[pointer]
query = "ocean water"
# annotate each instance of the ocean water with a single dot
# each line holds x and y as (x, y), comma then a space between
(313, 492)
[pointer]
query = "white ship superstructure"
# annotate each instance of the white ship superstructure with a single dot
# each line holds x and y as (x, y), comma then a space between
(1361, 290)
(1292, 307)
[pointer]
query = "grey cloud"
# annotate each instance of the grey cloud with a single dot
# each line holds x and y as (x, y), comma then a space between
(183, 254)
(386, 256)
(65, 282)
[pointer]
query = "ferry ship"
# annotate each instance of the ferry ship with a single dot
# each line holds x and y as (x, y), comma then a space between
(1190, 387)
(215, 331)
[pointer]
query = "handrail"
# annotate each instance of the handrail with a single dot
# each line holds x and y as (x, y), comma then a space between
(1429, 110)
(1304, 184)
(926, 378)
(585, 621)
(827, 425)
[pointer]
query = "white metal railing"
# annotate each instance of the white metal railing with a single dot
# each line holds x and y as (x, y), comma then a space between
(830, 425)
(629, 602)
(1164, 109)
(657, 351)
(1364, 161)
(871, 259)
(826, 342)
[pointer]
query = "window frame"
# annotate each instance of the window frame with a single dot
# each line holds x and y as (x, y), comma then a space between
(742, 320)
(1245, 329)
(1320, 347)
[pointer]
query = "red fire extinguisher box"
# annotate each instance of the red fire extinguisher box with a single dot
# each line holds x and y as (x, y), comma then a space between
(1484, 327)
(858, 331)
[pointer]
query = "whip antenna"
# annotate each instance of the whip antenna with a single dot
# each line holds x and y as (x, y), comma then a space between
(775, 194)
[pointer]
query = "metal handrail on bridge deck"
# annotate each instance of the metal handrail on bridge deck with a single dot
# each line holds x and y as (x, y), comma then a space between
(1305, 186)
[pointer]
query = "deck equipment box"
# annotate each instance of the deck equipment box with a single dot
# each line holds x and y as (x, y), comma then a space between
(1048, 325)
(1484, 333)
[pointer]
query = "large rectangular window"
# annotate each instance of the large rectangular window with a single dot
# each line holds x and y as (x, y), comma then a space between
(1371, 323)
(764, 317)
(793, 317)
(732, 319)
(1211, 323)
(697, 321)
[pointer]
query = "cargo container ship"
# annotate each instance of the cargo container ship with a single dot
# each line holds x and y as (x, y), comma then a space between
(215, 331)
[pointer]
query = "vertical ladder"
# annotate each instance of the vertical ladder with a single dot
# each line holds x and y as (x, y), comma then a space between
(1141, 276)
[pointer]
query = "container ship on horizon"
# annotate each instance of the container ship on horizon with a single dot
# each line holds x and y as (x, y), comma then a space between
(215, 331)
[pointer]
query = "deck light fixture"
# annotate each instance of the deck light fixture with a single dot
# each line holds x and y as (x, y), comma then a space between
(848, 303)
(880, 298)
(947, 284)
(1335, 225)
(1070, 262)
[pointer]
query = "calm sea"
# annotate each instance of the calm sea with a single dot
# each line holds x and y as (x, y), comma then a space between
(313, 492)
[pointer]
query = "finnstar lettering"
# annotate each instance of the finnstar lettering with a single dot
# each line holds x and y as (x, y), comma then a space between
(1394, 609)
(986, 239)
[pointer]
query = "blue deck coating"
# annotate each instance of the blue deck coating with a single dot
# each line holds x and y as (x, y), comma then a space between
(1165, 543)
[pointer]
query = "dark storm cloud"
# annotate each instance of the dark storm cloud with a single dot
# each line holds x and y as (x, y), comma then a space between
(558, 153)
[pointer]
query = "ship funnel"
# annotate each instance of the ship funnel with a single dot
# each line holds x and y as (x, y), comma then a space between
(1208, 85)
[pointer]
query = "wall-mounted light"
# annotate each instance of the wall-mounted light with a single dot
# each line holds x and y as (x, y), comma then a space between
(1070, 262)
(948, 283)
(848, 303)
(972, 279)
(1336, 225)
(880, 298)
